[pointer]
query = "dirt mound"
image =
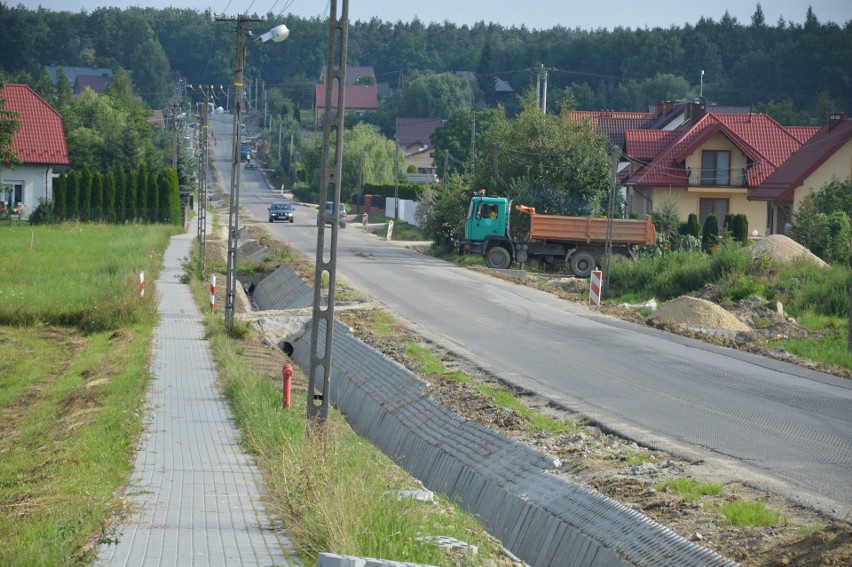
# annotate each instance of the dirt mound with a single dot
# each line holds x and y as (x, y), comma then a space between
(783, 249)
(693, 312)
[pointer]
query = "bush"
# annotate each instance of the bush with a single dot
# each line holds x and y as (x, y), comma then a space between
(710, 232)
(693, 227)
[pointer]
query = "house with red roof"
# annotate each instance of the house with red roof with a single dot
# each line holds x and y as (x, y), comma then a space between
(414, 136)
(710, 164)
(40, 145)
(357, 99)
(827, 155)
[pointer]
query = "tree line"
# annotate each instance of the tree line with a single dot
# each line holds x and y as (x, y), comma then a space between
(798, 71)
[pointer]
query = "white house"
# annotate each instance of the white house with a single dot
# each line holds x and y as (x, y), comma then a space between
(40, 145)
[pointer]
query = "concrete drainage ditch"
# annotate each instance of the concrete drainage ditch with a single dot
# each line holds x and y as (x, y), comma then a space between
(539, 517)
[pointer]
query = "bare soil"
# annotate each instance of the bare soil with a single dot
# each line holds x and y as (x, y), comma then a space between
(618, 467)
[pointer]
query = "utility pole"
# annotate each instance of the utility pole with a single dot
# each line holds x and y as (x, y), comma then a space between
(616, 154)
(174, 135)
(495, 168)
(234, 208)
(472, 139)
(280, 132)
(292, 158)
(396, 179)
(446, 168)
(361, 174)
(319, 374)
(203, 137)
(541, 87)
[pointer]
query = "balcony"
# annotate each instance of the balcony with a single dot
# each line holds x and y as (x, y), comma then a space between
(712, 178)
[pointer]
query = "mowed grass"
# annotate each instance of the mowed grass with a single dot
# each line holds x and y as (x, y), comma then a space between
(78, 275)
(74, 341)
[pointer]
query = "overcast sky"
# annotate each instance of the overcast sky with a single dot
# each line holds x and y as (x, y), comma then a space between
(538, 14)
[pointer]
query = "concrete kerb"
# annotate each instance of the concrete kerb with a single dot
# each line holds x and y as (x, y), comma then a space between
(541, 518)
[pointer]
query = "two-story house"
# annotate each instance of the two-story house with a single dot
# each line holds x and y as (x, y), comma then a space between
(825, 157)
(40, 145)
(708, 165)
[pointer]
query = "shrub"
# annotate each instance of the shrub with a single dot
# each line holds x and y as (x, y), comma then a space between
(693, 227)
(710, 232)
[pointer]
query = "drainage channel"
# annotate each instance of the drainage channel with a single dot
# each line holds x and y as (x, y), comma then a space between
(541, 518)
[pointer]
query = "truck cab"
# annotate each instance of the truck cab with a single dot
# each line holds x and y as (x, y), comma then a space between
(486, 229)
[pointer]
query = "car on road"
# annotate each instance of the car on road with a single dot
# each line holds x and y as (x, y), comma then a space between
(281, 211)
(329, 216)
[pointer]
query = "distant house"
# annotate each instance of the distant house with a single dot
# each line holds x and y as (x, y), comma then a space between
(354, 75)
(358, 99)
(825, 156)
(40, 145)
(502, 88)
(413, 135)
(79, 78)
(709, 164)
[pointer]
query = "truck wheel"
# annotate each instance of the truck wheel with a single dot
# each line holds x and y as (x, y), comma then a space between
(498, 258)
(582, 264)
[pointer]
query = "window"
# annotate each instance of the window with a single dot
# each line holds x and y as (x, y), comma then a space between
(715, 167)
(718, 207)
(12, 193)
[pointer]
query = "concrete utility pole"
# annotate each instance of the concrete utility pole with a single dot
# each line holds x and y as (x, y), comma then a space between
(446, 168)
(395, 180)
(203, 137)
(319, 374)
(615, 154)
(541, 87)
(174, 135)
(472, 139)
(234, 208)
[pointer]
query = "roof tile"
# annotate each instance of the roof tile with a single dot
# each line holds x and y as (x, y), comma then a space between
(41, 137)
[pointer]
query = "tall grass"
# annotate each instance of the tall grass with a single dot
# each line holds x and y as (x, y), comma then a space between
(85, 276)
(70, 397)
(801, 286)
(335, 491)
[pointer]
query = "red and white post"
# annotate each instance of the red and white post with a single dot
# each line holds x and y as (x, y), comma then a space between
(141, 284)
(390, 230)
(212, 292)
(595, 289)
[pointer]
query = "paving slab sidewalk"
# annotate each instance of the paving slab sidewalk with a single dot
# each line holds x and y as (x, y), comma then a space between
(195, 497)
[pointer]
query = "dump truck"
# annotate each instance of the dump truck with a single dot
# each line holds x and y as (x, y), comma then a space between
(578, 241)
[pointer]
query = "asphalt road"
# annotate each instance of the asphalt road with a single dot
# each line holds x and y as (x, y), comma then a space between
(785, 427)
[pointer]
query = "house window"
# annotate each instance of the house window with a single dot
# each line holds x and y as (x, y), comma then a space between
(718, 207)
(715, 167)
(11, 194)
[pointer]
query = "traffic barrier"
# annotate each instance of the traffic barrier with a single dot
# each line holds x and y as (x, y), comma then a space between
(595, 289)
(390, 230)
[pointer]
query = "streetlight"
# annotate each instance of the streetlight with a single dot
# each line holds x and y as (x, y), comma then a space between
(276, 34)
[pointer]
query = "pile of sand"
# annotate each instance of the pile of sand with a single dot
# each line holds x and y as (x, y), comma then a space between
(693, 312)
(783, 249)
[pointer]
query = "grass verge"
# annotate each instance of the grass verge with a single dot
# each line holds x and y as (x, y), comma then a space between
(334, 491)
(75, 344)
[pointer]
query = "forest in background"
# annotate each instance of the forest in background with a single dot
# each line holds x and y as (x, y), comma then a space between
(794, 72)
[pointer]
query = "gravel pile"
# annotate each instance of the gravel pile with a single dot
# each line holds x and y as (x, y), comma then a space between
(693, 312)
(783, 249)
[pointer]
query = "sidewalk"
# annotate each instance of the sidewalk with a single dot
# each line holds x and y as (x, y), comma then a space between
(195, 497)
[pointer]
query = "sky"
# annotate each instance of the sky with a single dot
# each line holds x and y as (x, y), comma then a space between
(534, 14)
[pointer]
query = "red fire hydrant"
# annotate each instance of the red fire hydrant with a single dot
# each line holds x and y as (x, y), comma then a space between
(286, 374)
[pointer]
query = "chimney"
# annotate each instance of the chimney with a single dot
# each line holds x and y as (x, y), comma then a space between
(835, 118)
